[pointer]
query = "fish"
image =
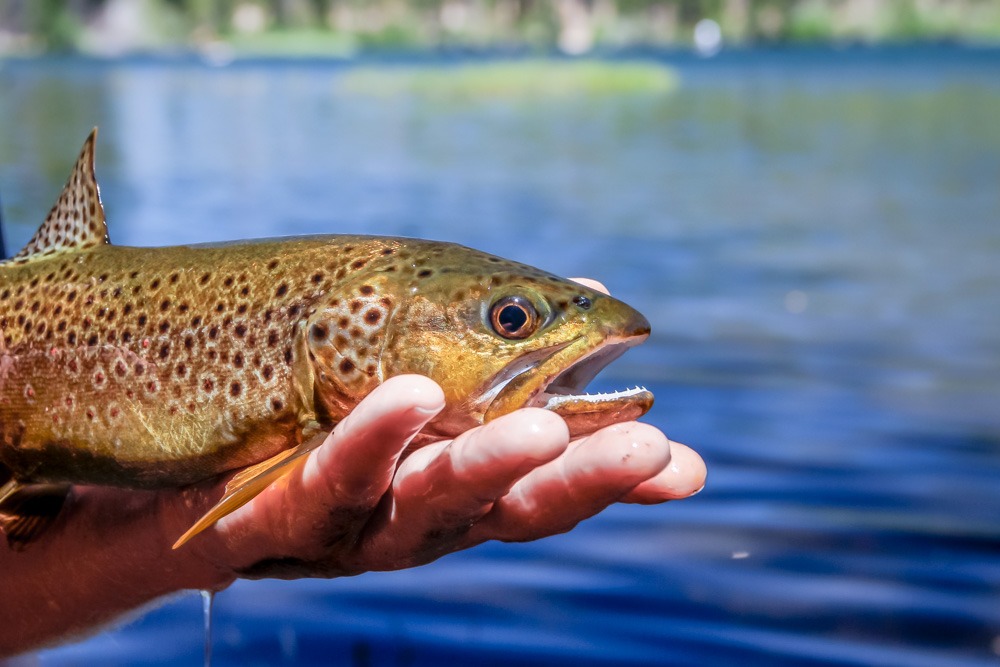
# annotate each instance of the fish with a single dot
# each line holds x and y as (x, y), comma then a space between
(160, 367)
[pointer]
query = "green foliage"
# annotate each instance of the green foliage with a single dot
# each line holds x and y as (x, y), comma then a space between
(520, 79)
(58, 27)
(336, 26)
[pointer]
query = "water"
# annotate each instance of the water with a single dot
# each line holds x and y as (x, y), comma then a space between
(207, 597)
(814, 237)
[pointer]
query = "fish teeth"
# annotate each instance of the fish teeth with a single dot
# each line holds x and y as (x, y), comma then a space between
(554, 400)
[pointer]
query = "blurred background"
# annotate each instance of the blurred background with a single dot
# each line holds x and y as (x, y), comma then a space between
(115, 27)
(803, 196)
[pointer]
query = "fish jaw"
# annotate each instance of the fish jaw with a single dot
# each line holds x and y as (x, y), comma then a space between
(584, 412)
(554, 378)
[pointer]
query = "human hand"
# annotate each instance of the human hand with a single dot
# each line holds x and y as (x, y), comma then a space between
(348, 508)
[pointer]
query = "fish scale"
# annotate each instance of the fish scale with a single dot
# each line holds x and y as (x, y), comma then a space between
(159, 367)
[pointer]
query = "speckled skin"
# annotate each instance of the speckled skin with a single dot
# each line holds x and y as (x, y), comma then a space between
(150, 367)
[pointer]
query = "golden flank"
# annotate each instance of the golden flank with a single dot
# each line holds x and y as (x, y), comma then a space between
(161, 367)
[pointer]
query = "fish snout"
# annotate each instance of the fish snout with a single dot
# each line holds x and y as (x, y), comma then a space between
(622, 321)
(637, 324)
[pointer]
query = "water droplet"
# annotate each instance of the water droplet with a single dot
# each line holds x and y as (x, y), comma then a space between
(207, 597)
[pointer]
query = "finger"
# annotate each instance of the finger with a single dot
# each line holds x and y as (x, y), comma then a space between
(347, 475)
(593, 473)
(684, 476)
(440, 491)
(481, 464)
(358, 460)
(592, 284)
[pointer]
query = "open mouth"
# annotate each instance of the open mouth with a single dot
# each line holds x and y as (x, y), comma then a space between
(551, 379)
(568, 387)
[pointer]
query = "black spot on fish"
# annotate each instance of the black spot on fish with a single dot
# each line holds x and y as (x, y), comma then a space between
(319, 332)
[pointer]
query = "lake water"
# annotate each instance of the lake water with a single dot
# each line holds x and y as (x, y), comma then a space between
(815, 237)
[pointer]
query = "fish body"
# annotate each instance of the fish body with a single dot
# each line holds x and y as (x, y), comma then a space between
(159, 367)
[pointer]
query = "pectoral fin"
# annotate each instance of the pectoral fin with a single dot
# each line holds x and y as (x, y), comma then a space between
(249, 482)
(27, 510)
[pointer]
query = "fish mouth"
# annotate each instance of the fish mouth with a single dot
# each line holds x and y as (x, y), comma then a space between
(555, 377)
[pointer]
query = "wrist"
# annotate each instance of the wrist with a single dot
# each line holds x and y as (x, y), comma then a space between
(200, 564)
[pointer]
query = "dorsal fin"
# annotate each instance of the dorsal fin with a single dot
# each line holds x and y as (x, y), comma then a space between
(76, 222)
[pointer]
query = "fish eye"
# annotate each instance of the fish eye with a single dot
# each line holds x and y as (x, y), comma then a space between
(514, 317)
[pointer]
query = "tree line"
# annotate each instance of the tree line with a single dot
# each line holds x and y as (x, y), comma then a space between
(68, 25)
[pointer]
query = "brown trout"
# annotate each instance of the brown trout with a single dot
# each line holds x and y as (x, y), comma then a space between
(161, 367)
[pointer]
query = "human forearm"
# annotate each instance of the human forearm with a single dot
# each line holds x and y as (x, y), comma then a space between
(107, 554)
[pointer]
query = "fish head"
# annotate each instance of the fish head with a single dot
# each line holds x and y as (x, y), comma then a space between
(496, 336)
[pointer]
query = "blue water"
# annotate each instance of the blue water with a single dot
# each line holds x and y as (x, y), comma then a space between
(815, 237)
